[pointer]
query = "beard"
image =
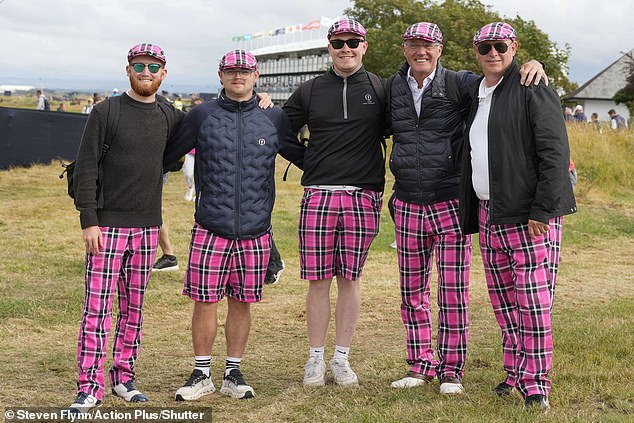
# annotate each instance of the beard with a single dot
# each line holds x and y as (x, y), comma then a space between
(144, 89)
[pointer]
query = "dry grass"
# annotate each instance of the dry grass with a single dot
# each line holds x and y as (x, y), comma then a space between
(41, 280)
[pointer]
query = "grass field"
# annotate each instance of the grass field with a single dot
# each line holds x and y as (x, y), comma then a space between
(41, 277)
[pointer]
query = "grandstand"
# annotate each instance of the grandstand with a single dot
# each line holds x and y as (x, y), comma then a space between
(289, 56)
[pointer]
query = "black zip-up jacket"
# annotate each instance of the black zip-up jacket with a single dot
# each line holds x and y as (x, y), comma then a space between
(529, 157)
(425, 157)
(346, 123)
(236, 145)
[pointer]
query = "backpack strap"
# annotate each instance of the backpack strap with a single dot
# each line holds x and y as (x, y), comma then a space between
(168, 110)
(452, 90)
(112, 125)
(377, 86)
(305, 91)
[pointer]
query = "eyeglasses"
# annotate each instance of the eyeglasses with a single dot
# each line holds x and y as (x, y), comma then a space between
(418, 45)
(152, 67)
(232, 73)
(352, 43)
(484, 49)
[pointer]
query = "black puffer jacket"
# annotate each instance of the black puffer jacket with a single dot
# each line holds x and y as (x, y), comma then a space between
(425, 156)
(236, 144)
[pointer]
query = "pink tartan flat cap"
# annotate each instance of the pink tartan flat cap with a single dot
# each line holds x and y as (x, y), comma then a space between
(423, 31)
(147, 49)
(346, 26)
(495, 31)
(238, 59)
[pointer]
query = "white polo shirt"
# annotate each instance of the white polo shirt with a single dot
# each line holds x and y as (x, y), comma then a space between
(479, 140)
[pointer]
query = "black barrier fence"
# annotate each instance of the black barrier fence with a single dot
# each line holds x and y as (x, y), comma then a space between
(33, 136)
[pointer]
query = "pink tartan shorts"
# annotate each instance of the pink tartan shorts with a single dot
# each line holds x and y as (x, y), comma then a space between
(220, 266)
(336, 229)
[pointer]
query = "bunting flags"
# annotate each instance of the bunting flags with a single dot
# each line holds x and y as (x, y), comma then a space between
(316, 24)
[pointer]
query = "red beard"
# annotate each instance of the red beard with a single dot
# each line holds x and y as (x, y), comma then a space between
(143, 89)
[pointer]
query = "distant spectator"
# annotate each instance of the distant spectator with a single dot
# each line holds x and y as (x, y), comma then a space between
(580, 117)
(61, 107)
(617, 122)
(594, 120)
(568, 114)
(177, 102)
(88, 107)
(42, 101)
(96, 99)
(115, 92)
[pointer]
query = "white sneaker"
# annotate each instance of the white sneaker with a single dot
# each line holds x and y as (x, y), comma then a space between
(197, 385)
(315, 372)
(411, 380)
(234, 385)
(342, 373)
(451, 386)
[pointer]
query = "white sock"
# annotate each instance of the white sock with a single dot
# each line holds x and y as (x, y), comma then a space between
(203, 363)
(317, 352)
(341, 353)
(232, 363)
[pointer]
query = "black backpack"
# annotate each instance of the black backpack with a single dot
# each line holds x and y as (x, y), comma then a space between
(111, 130)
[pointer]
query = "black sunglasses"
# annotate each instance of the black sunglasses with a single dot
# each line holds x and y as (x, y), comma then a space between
(152, 67)
(484, 49)
(352, 43)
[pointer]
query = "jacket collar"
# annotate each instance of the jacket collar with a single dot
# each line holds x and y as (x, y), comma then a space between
(233, 105)
(355, 75)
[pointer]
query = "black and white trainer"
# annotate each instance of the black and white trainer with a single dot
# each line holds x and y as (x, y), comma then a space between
(198, 385)
(234, 385)
(84, 403)
(129, 392)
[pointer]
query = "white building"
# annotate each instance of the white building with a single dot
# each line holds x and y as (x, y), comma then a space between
(596, 95)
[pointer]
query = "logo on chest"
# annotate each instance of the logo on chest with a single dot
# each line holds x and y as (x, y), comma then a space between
(367, 99)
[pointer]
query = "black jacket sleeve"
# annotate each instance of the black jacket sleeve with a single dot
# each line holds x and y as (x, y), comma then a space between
(290, 147)
(551, 148)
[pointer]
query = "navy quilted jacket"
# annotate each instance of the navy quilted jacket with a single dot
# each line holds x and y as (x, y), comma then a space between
(236, 144)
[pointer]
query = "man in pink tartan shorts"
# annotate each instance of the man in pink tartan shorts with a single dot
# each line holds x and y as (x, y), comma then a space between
(515, 189)
(236, 145)
(344, 177)
(120, 224)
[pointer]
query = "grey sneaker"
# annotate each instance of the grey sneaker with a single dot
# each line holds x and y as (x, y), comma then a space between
(129, 392)
(84, 403)
(342, 373)
(315, 372)
(165, 264)
(197, 385)
(234, 385)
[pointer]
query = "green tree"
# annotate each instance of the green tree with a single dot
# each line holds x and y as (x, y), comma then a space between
(626, 94)
(386, 20)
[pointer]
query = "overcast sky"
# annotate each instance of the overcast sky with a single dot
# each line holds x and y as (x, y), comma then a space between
(64, 43)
